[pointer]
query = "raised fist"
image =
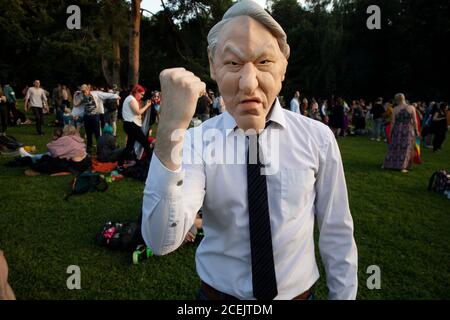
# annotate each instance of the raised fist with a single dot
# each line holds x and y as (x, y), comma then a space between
(180, 90)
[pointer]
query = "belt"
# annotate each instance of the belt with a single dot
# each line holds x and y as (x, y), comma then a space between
(214, 294)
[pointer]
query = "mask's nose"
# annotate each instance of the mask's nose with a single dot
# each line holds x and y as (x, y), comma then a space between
(248, 81)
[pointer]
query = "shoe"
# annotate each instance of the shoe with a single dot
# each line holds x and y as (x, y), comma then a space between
(372, 139)
(378, 139)
(141, 253)
(404, 171)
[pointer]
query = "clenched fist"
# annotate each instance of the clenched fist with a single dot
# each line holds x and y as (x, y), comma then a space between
(180, 90)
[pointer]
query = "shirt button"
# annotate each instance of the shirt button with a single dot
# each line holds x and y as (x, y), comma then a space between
(179, 183)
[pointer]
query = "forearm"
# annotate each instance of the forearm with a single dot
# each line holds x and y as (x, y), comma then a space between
(171, 201)
(168, 148)
(141, 111)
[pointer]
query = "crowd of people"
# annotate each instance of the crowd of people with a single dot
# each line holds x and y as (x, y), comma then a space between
(404, 126)
(89, 113)
(94, 112)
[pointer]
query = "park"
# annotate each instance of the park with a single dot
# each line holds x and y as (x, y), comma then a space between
(342, 70)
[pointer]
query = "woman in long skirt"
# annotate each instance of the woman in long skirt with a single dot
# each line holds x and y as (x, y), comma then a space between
(403, 133)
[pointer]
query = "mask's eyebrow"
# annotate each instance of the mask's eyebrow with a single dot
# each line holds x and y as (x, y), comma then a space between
(254, 55)
(234, 50)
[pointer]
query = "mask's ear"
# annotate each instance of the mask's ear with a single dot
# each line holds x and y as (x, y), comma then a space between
(212, 72)
(284, 70)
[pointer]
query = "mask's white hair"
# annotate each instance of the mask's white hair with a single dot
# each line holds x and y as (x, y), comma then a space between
(255, 11)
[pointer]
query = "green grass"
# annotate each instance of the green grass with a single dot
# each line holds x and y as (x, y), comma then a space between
(399, 226)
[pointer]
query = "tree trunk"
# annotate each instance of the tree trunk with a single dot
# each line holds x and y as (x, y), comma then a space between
(106, 70)
(135, 24)
(116, 63)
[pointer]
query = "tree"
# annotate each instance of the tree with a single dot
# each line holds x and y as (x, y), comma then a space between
(112, 24)
(134, 42)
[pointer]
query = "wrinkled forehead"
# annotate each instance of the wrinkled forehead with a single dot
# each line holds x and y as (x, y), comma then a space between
(246, 36)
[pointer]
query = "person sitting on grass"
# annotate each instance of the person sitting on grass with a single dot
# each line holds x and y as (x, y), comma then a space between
(68, 117)
(107, 149)
(67, 154)
(57, 133)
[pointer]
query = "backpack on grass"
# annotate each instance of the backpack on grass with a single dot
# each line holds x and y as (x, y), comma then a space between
(125, 236)
(439, 181)
(10, 142)
(87, 182)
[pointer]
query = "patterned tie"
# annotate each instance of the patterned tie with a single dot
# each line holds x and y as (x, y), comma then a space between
(263, 267)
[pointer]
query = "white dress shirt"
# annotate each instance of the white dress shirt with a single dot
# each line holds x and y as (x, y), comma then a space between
(308, 184)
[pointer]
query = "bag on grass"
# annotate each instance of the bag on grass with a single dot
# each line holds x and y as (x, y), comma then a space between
(10, 142)
(87, 182)
(439, 181)
(124, 236)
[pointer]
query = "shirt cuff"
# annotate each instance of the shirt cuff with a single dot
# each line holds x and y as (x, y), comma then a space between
(162, 180)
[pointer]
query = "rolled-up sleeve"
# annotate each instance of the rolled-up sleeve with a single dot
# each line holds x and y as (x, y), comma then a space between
(336, 242)
(171, 202)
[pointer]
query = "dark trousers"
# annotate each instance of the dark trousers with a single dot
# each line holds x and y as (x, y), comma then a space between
(438, 140)
(92, 127)
(114, 156)
(12, 113)
(4, 117)
(39, 115)
(50, 165)
(134, 133)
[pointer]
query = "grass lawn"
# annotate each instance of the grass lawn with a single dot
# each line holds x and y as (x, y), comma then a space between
(399, 226)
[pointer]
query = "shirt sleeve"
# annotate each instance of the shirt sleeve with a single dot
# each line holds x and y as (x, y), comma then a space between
(107, 95)
(171, 202)
(336, 242)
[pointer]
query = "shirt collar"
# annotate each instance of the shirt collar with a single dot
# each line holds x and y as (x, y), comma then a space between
(275, 115)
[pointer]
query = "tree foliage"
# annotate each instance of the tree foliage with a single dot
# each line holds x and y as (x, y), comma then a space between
(332, 50)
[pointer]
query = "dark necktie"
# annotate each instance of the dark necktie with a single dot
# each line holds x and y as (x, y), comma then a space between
(263, 267)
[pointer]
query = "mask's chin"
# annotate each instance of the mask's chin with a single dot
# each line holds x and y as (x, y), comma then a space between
(248, 122)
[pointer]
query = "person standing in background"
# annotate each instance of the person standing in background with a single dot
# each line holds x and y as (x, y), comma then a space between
(295, 103)
(404, 130)
(10, 104)
(36, 99)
